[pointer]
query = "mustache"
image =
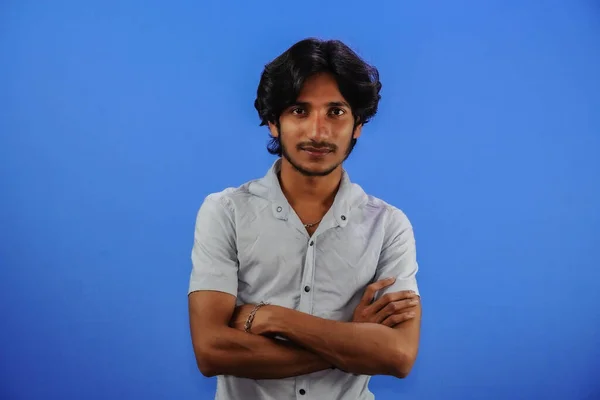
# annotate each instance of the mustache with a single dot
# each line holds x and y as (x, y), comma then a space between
(315, 145)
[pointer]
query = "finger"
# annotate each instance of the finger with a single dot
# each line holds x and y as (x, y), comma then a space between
(374, 287)
(396, 319)
(388, 298)
(395, 307)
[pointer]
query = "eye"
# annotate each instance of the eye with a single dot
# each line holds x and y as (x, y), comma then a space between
(297, 111)
(338, 112)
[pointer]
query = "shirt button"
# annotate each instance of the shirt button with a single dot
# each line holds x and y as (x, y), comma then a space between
(302, 392)
(307, 289)
(279, 209)
(312, 242)
(343, 217)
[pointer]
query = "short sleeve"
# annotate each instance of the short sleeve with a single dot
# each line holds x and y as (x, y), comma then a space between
(398, 257)
(214, 254)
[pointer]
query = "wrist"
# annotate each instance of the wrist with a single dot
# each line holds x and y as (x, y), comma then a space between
(268, 323)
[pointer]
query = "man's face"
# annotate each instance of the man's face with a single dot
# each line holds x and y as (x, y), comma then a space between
(316, 132)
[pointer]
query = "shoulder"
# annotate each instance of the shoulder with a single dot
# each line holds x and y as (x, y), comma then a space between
(234, 200)
(392, 217)
(397, 229)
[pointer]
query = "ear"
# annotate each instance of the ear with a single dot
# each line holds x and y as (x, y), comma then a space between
(357, 131)
(273, 129)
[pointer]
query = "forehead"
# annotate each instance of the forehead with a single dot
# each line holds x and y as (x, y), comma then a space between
(320, 88)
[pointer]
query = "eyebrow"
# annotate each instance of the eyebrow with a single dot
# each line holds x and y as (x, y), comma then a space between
(330, 104)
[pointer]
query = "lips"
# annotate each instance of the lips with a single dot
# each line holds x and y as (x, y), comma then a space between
(316, 151)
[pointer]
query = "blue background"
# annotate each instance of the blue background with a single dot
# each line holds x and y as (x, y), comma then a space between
(118, 117)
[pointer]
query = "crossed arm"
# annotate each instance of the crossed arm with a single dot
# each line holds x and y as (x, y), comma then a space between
(316, 344)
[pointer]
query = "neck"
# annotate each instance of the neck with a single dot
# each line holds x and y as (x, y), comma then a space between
(309, 189)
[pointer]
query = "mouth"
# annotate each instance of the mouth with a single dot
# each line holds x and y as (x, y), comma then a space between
(316, 152)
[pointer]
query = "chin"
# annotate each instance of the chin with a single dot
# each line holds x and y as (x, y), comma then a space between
(311, 166)
(313, 170)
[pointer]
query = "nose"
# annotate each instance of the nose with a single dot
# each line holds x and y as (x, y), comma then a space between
(319, 127)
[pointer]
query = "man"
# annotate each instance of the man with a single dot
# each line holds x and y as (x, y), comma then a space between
(302, 285)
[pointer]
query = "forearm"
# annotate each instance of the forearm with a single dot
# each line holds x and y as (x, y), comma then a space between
(245, 355)
(359, 348)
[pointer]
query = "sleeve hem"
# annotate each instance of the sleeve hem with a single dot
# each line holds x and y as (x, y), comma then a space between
(213, 286)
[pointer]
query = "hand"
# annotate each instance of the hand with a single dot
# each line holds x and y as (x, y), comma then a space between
(240, 316)
(390, 310)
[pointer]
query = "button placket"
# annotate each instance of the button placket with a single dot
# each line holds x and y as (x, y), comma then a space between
(306, 291)
(306, 301)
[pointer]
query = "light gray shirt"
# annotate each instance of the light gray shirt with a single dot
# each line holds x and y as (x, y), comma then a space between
(250, 243)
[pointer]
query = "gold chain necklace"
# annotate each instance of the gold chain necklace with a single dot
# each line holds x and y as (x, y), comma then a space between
(311, 225)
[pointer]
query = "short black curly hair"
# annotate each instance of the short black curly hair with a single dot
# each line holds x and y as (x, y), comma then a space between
(282, 80)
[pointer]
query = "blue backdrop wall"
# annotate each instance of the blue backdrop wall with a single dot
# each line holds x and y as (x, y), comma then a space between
(117, 118)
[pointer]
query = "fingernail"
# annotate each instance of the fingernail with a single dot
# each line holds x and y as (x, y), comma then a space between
(411, 314)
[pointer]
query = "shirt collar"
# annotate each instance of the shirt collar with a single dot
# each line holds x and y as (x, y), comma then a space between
(345, 197)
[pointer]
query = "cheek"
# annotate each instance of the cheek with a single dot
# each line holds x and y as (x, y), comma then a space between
(344, 132)
(291, 131)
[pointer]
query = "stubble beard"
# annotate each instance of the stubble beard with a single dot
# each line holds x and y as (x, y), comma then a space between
(308, 173)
